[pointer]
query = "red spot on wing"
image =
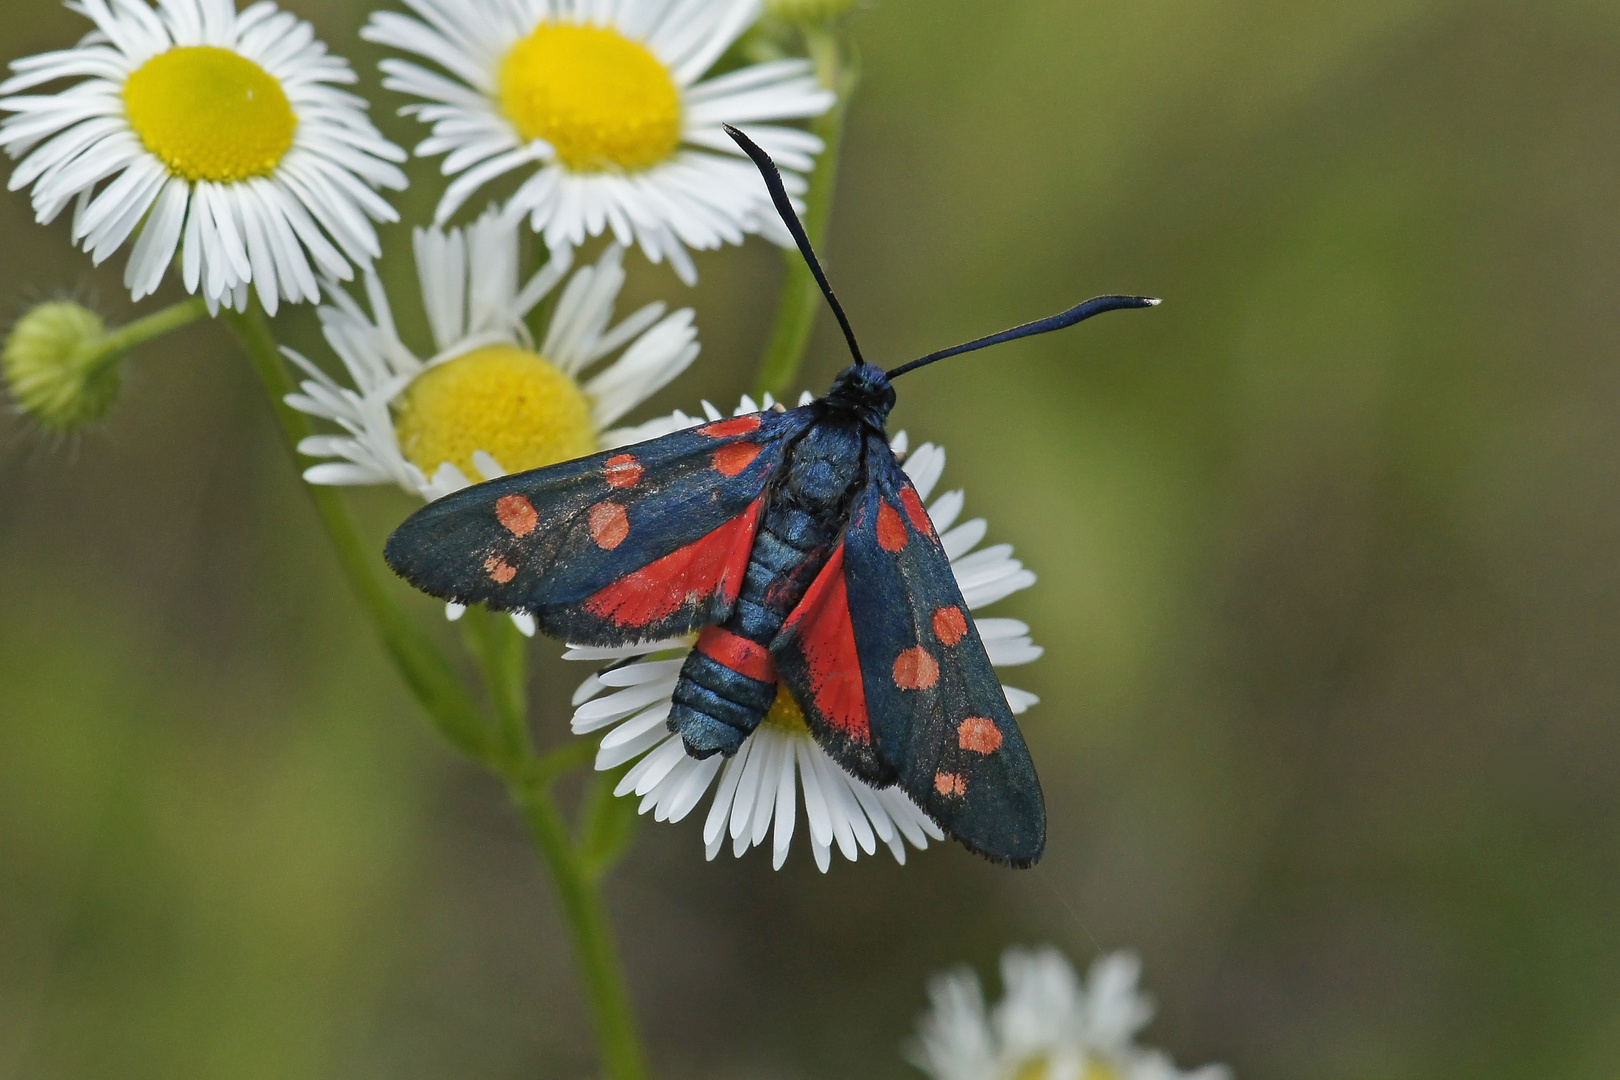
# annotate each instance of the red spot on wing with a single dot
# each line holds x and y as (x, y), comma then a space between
(517, 514)
(950, 625)
(609, 525)
(737, 653)
(915, 669)
(826, 637)
(725, 429)
(499, 569)
(733, 459)
(712, 565)
(623, 471)
(891, 531)
(914, 510)
(979, 735)
(950, 785)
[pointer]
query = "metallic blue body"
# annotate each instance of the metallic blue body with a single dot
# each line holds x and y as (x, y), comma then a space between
(715, 707)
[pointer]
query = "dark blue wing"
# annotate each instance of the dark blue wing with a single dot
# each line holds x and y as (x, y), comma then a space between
(938, 715)
(640, 543)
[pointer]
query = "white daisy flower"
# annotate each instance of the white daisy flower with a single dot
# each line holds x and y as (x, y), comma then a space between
(487, 401)
(1049, 1025)
(599, 104)
(758, 789)
(213, 132)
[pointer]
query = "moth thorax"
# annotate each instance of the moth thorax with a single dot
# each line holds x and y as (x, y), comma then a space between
(508, 402)
(818, 485)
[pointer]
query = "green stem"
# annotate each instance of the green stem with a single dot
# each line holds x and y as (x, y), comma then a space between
(498, 648)
(112, 347)
(801, 297)
(603, 972)
(424, 667)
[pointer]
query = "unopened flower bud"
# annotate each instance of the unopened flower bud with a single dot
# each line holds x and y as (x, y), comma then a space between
(807, 12)
(56, 369)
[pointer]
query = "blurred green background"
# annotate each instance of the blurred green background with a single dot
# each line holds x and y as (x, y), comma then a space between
(1329, 589)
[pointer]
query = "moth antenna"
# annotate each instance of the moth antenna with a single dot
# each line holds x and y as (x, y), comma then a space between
(784, 207)
(1078, 313)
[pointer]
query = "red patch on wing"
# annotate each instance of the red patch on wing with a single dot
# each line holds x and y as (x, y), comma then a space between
(914, 510)
(517, 514)
(891, 531)
(609, 525)
(712, 565)
(978, 735)
(737, 653)
(915, 669)
(623, 470)
(950, 784)
(826, 637)
(499, 569)
(733, 459)
(950, 625)
(725, 429)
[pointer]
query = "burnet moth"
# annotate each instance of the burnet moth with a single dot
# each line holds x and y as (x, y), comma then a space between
(792, 544)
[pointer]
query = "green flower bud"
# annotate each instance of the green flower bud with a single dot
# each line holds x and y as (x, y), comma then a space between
(807, 12)
(56, 368)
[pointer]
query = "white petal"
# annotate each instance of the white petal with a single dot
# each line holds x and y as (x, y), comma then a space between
(647, 671)
(945, 510)
(815, 800)
(714, 827)
(614, 706)
(787, 798)
(652, 768)
(962, 539)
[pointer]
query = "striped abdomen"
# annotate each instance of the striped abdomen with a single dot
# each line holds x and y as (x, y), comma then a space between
(728, 683)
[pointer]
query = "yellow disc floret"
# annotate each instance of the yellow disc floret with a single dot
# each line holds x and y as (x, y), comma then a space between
(602, 101)
(785, 714)
(1041, 1068)
(210, 114)
(506, 401)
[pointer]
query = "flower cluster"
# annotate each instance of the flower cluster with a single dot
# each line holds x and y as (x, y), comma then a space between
(220, 144)
(1049, 1025)
(602, 109)
(223, 136)
(217, 134)
(490, 398)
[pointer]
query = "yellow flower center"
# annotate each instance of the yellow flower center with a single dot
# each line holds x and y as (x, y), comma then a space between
(1040, 1068)
(501, 399)
(602, 101)
(785, 714)
(210, 114)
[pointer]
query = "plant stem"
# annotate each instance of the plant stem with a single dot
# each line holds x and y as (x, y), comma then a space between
(122, 340)
(603, 972)
(508, 751)
(801, 297)
(503, 661)
(425, 669)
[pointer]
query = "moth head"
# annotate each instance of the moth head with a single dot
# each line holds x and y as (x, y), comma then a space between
(864, 389)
